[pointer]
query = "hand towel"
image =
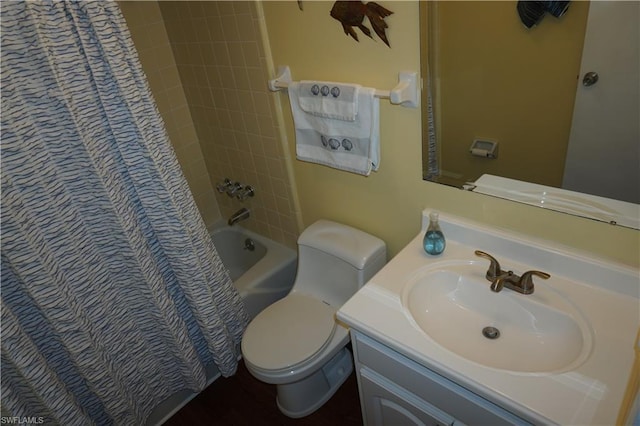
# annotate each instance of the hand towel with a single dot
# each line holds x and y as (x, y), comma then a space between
(352, 146)
(530, 12)
(331, 100)
(556, 8)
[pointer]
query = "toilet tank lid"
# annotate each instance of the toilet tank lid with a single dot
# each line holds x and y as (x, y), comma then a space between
(349, 244)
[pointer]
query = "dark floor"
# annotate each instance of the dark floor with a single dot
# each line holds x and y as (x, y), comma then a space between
(244, 400)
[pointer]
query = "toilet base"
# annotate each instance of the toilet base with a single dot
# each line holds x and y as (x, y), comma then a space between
(302, 398)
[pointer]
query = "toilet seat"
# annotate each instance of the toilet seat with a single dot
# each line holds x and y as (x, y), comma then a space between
(304, 324)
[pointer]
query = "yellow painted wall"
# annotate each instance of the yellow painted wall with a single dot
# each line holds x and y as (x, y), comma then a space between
(502, 81)
(389, 202)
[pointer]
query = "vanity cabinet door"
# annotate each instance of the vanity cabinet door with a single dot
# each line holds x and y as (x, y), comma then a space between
(387, 404)
(425, 385)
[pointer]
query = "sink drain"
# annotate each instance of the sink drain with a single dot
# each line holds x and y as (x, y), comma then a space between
(491, 332)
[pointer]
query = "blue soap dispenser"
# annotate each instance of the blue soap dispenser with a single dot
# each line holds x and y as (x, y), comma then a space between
(434, 241)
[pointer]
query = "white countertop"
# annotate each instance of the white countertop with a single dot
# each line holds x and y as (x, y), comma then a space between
(606, 294)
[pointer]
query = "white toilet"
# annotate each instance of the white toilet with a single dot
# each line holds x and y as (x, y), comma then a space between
(296, 343)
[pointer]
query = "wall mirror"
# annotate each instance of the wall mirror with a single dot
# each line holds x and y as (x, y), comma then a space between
(559, 101)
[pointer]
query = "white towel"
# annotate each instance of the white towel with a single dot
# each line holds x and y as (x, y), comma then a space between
(353, 146)
(328, 99)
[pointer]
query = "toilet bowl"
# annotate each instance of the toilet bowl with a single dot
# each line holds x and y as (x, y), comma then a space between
(296, 342)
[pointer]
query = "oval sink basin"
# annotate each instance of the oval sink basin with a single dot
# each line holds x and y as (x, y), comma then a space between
(538, 333)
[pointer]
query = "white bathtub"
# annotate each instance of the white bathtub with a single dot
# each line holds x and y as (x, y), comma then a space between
(262, 275)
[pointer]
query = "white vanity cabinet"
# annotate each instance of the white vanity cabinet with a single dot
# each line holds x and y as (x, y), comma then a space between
(563, 357)
(395, 390)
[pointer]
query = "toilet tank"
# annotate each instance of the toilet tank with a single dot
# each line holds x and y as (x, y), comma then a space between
(335, 260)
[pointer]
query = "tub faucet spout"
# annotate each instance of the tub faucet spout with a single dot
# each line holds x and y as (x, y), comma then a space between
(238, 216)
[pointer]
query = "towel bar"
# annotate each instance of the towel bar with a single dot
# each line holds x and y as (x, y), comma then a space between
(406, 92)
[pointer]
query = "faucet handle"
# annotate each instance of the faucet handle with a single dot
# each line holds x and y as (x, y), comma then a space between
(526, 281)
(246, 192)
(233, 189)
(224, 185)
(494, 270)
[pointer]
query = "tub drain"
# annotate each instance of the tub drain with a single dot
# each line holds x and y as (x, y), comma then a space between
(249, 244)
(491, 332)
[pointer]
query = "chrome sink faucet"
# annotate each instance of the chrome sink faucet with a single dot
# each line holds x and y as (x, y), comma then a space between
(500, 279)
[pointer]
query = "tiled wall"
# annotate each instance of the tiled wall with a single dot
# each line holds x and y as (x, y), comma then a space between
(150, 38)
(218, 51)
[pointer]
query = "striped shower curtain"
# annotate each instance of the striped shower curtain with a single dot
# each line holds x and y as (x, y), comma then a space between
(113, 296)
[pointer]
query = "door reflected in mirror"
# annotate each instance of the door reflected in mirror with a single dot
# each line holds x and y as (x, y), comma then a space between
(493, 79)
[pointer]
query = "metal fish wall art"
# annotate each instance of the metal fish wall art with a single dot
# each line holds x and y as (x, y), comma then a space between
(351, 14)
